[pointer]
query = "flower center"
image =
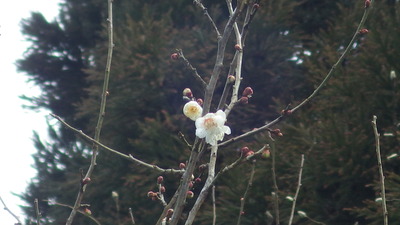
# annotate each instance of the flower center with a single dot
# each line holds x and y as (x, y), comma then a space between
(209, 123)
(193, 109)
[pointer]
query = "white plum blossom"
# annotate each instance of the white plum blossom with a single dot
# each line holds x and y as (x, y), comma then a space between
(192, 110)
(211, 126)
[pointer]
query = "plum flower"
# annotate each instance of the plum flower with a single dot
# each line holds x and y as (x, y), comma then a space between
(192, 110)
(211, 126)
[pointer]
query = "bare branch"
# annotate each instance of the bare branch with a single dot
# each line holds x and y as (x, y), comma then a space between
(205, 11)
(205, 189)
(131, 214)
(297, 190)
(321, 85)
(275, 194)
(214, 206)
(37, 211)
(128, 157)
(249, 185)
(382, 176)
(101, 112)
(341, 58)
(9, 211)
(193, 69)
(79, 211)
(208, 95)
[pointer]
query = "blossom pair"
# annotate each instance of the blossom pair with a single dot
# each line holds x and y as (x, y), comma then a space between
(210, 126)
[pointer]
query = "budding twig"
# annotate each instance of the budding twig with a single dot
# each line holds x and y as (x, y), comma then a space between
(205, 11)
(101, 111)
(79, 211)
(321, 85)
(9, 211)
(193, 69)
(382, 176)
(128, 157)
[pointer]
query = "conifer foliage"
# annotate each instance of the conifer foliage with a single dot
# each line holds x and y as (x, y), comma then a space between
(289, 49)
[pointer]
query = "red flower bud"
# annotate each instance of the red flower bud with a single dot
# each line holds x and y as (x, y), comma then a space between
(363, 31)
(197, 180)
(160, 179)
(87, 211)
(277, 132)
(367, 3)
(202, 167)
(265, 154)
(189, 194)
(286, 112)
(151, 194)
(199, 101)
(244, 100)
(182, 166)
(247, 92)
(162, 189)
(244, 150)
(256, 6)
(237, 47)
(190, 184)
(170, 212)
(249, 153)
(174, 56)
(86, 180)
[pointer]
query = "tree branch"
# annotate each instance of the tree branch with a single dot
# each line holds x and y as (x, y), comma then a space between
(321, 85)
(101, 113)
(128, 157)
(297, 190)
(382, 176)
(9, 211)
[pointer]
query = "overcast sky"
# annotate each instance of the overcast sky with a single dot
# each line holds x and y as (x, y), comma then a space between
(17, 124)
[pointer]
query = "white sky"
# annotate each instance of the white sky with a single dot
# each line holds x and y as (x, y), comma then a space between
(17, 124)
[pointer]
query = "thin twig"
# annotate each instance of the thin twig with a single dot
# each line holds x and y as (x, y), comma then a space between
(127, 157)
(208, 95)
(9, 211)
(321, 85)
(275, 195)
(101, 113)
(205, 11)
(236, 163)
(37, 211)
(214, 206)
(205, 189)
(180, 193)
(131, 214)
(79, 211)
(249, 185)
(297, 190)
(193, 69)
(238, 63)
(382, 176)
(341, 58)
(167, 207)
